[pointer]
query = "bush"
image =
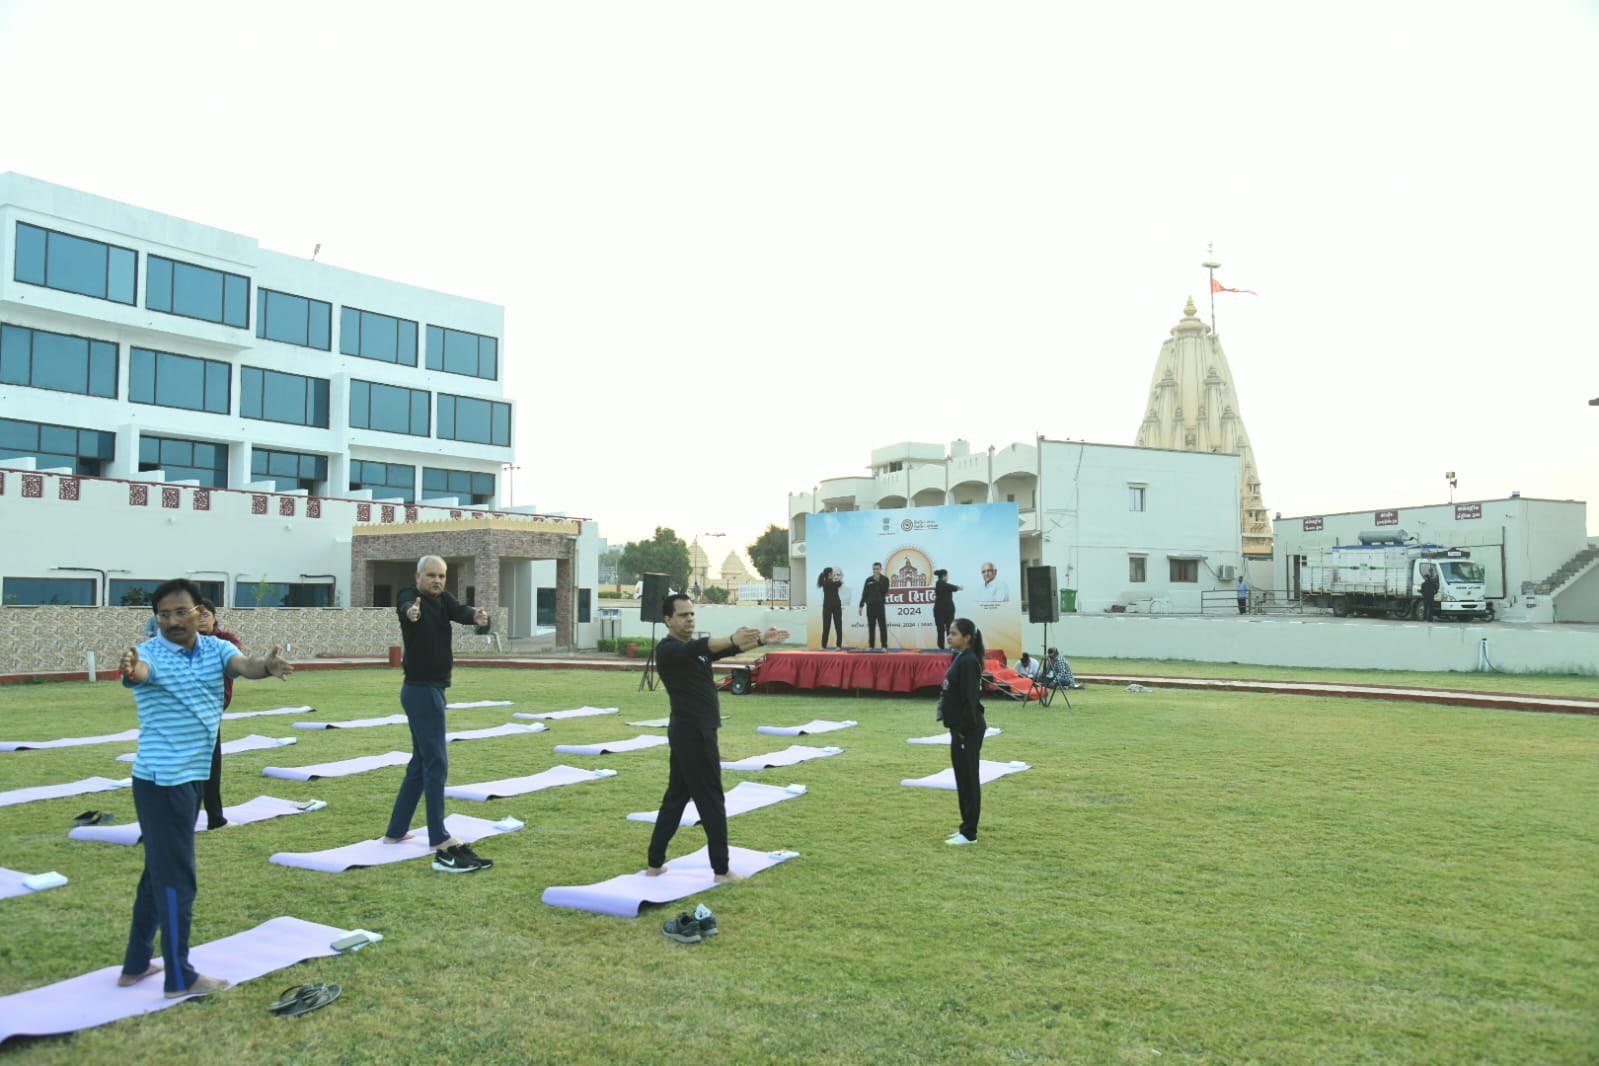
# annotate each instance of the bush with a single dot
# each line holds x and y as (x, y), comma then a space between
(716, 594)
(612, 594)
(619, 645)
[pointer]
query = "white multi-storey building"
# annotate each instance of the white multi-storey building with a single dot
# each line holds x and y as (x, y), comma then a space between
(226, 384)
(1135, 529)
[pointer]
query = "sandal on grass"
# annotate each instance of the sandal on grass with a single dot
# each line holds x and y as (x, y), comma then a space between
(94, 818)
(302, 999)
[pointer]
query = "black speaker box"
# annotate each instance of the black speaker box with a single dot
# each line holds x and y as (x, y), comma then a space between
(656, 588)
(741, 682)
(1043, 603)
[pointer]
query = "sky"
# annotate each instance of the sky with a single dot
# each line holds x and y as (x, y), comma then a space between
(740, 245)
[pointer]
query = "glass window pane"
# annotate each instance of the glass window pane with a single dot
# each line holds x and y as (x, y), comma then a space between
(360, 405)
(236, 301)
(379, 337)
(501, 413)
(391, 409)
(321, 323)
(419, 412)
(141, 375)
(285, 398)
(319, 403)
(460, 352)
(488, 358)
(102, 369)
(40, 591)
(349, 331)
(447, 417)
(158, 283)
(75, 265)
(60, 362)
(407, 343)
(435, 359)
(196, 292)
(30, 254)
(62, 440)
(15, 360)
(218, 379)
(120, 280)
(250, 393)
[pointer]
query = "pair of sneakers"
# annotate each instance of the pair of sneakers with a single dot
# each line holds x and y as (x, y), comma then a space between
(689, 928)
(460, 859)
(959, 839)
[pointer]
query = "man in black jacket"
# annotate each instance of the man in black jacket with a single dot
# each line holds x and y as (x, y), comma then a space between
(426, 612)
(871, 604)
(1429, 594)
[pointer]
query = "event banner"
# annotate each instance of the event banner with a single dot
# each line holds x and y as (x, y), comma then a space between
(976, 543)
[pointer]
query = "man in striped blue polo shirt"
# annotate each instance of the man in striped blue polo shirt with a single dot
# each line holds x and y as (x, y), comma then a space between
(176, 678)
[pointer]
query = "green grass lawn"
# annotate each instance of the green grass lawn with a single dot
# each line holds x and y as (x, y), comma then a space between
(1184, 877)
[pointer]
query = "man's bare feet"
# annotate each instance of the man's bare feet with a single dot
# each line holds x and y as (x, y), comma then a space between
(203, 986)
(396, 840)
(447, 844)
(728, 878)
(654, 871)
(126, 980)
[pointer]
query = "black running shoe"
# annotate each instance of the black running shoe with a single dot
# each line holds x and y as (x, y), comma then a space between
(466, 852)
(707, 920)
(452, 861)
(684, 929)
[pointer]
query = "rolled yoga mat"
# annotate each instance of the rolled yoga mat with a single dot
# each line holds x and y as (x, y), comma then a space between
(622, 896)
(638, 743)
(790, 755)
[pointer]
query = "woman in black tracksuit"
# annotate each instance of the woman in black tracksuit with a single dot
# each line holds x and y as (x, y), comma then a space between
(832, 606)
(962, 714)
(943, 603)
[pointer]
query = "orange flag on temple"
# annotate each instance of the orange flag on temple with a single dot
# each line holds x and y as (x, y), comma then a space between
(1216, 286)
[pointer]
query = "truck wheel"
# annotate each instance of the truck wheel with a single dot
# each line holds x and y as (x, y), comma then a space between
(1419, 611)
(1488, 613)
(1340, 608)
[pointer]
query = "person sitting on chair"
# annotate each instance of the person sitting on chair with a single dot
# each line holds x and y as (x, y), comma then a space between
(1027, 666)
(1058, 672)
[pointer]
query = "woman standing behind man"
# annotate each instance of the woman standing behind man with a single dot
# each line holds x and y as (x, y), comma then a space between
(832, 606)
(212, 794)
(962, 715)
(943, 603)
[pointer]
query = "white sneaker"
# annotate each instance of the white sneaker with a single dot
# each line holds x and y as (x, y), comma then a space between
(959, 839)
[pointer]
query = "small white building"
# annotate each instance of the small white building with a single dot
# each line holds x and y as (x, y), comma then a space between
(1539, 564)
(1149, 530)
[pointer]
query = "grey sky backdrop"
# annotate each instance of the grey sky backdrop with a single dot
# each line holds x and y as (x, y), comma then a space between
(742, 244)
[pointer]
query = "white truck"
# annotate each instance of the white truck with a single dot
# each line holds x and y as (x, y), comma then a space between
(1382, 576)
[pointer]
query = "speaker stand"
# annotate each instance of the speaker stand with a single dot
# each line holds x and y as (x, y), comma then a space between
(648, 677)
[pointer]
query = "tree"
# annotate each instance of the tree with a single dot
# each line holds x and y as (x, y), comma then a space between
(665, 554)
(770, 549)
(716, 594)
(611, 569)
(136, 596)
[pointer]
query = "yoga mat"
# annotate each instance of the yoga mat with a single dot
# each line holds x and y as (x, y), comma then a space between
(253, 742)
(622, 896)
(354, 723)
(815, 726)
(256, 714)
(654, 723)
(580, 712)
(986, 772)
(745, 796)
(17, 883)
(75, 788)
(943, 738)
(509, 729)
(787, 757)
(516, 786)
(257, 810)
(94, 998)
(376, 853)
(342, 768)
(477, 703)
(69, 742)
(638, 743)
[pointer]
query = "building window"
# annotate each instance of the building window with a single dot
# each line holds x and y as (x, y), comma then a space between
(583, 604)
(544, 607)
(289, 471)
(1135, 569)
(168, 380)
(465, 485)
(185, 460)
(83, 451)
(455, 351)
(1135, 497)
(196, 292)
(389, 408)
(49, 591)
(282, 316)
(75, 264)
(387, 481)
(58, 362)
(281, 594)
(1184, 571)
(273, 396)
(373, 336)
(477, 421)
(135, 592)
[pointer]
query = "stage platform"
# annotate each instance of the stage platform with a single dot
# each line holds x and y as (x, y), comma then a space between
(859, 671)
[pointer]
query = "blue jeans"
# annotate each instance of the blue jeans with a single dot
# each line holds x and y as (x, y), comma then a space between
(429, 766)
(164, 901)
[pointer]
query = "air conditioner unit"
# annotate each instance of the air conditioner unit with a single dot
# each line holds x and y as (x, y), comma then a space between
(1226, 573)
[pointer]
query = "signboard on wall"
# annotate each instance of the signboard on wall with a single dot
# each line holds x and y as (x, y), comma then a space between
(1467, 511)
(976, 543)
(1312, 525)
(1386, 518)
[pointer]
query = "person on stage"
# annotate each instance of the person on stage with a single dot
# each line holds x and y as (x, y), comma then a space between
(832, 605)
(874, 607)
(943, 603)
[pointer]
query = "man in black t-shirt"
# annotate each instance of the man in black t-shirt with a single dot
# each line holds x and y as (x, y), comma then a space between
(684, 665)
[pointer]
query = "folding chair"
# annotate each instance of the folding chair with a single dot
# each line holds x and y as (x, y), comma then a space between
(992, 684)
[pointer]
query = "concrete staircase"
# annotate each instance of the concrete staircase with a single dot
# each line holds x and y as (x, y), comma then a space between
(1573, 567)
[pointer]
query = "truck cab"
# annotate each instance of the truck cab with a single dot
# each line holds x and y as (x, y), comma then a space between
(1462, 585)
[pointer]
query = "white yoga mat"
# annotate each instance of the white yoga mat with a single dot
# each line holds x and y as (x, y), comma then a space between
(94, 998)
(517, 786)
(745, 796)
(477, 703)
(623, 896)
(787, 757)
(354, 723)
(943, 738)
(69, 742)
(509, 729)
(74, 788)
(376, 853)
(986, 772)
(128, 834)
(816, 726)
(638, 743)
(342, 768)
(253, 742)
(256, 714)
(655, 723)
(17, 883)
(578, 712)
